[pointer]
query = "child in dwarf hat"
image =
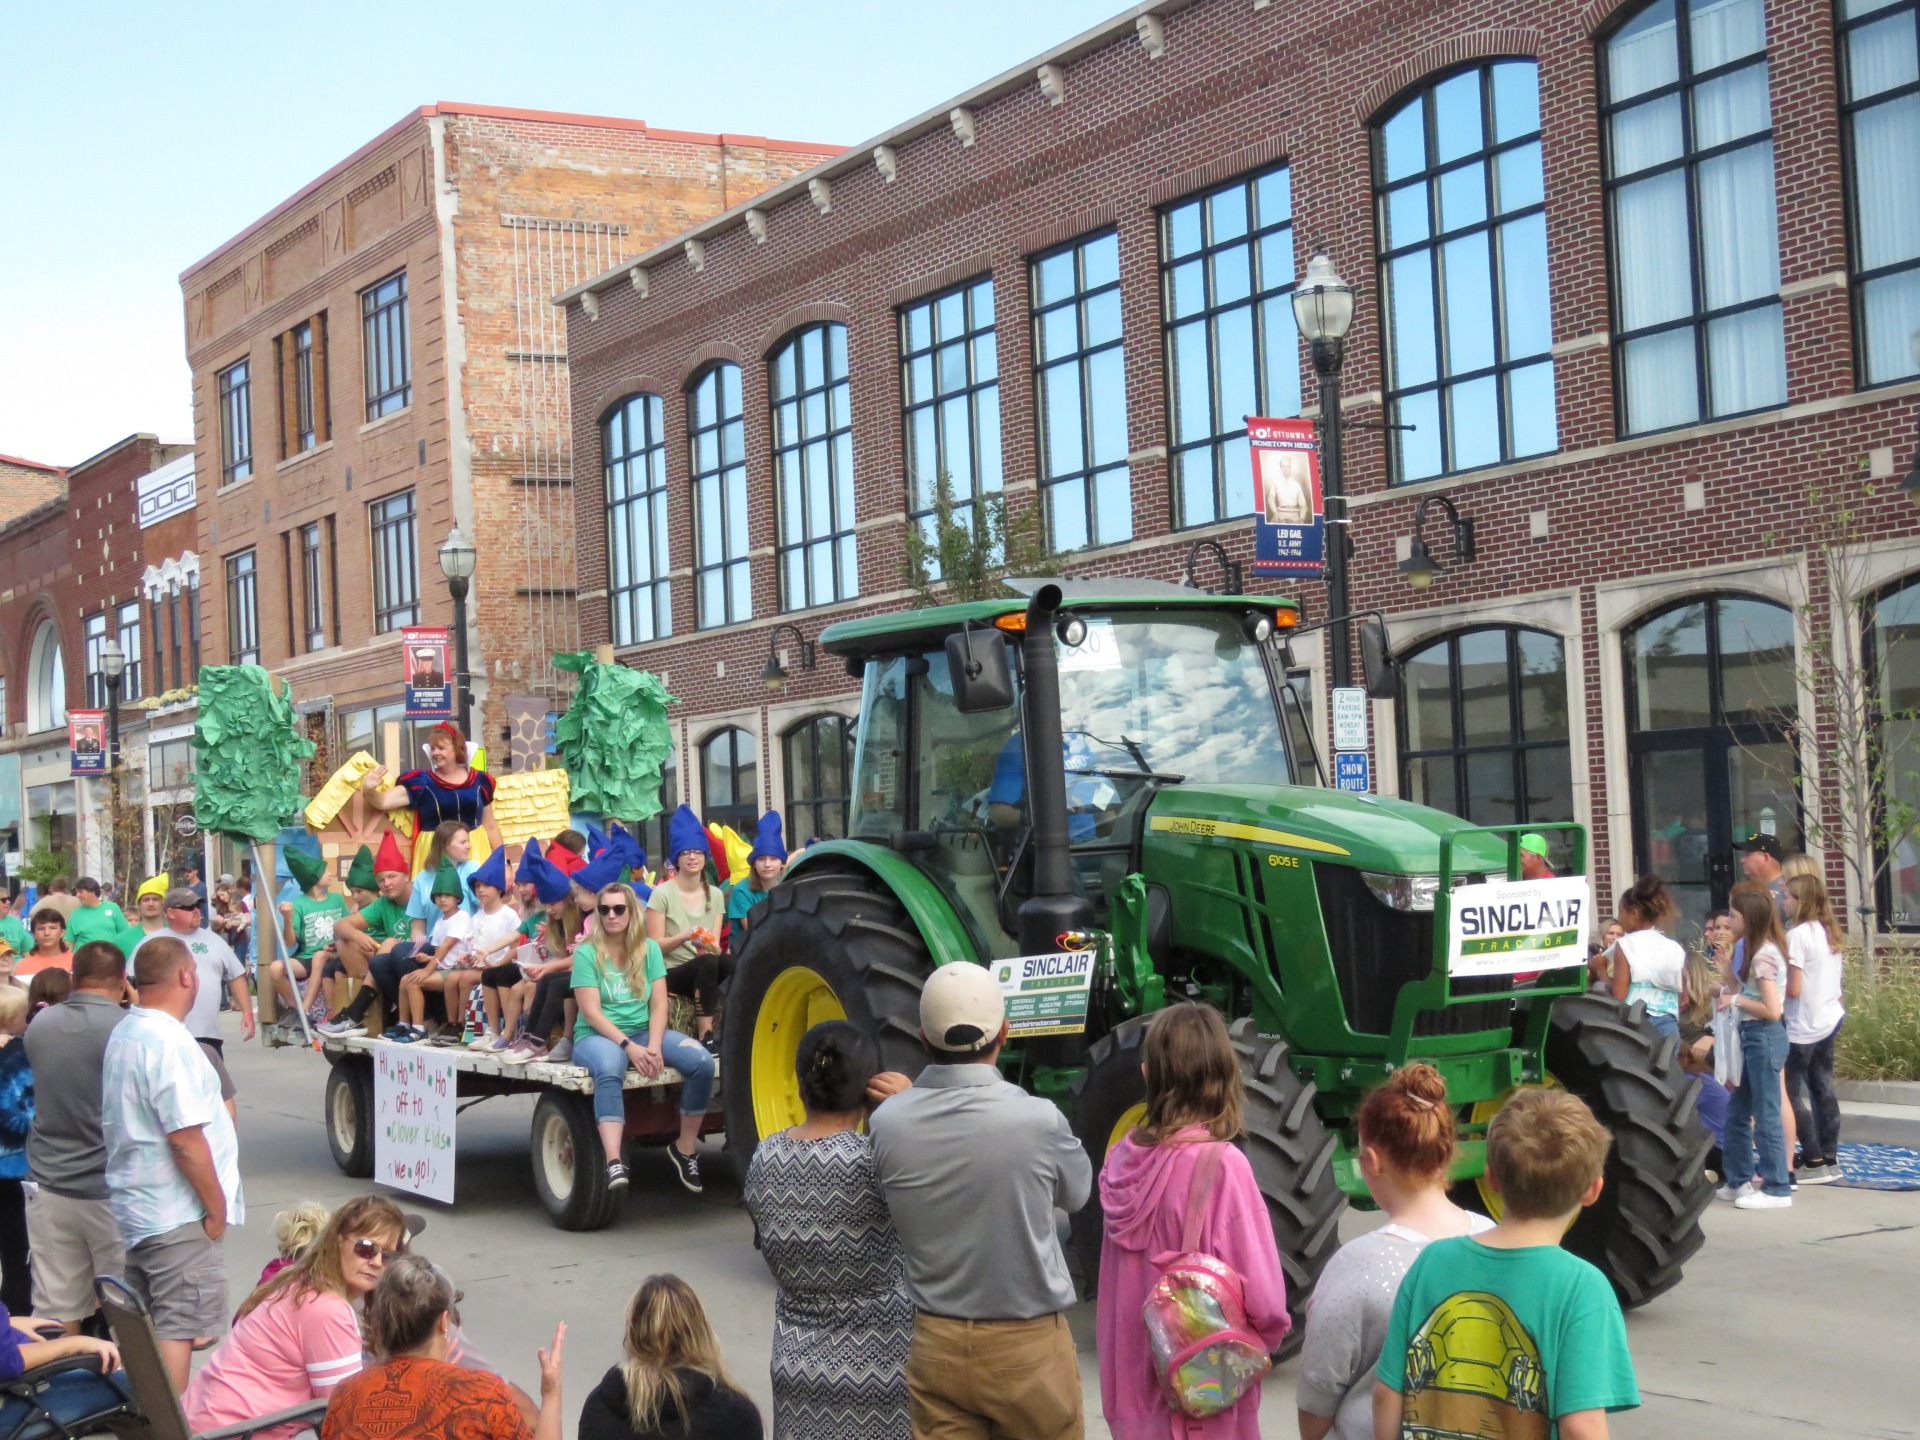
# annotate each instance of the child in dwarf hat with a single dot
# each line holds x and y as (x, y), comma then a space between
(307, 923)
(449, 940)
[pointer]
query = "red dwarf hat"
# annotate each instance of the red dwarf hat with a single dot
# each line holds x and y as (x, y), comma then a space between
(390, 857)
(564, 860)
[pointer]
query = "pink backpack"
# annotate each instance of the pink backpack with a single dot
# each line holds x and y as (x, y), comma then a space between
(1204, 1352)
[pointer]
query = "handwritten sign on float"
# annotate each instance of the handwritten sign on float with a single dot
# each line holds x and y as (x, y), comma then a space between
(415, 1099)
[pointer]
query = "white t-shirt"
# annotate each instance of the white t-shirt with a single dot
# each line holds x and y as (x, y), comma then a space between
(1812, 1014)
(1658, 966)
(459, 928)
(489, 931)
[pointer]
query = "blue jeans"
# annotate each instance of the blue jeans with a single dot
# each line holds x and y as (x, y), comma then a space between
(607, 1063)
(1753, 1110)
(1665, 1024)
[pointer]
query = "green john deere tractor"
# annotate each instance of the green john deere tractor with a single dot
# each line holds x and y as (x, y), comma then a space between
(1119, 763)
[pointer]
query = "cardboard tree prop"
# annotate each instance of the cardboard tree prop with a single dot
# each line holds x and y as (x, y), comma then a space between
(614, 738)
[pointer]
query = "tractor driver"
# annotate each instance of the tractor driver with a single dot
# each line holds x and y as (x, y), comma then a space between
(1088, 796)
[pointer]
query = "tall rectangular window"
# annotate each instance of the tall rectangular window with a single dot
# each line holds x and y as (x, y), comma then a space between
(950, 377)
(387, 354)
(301, 355)
(813, 463)
(396, 563)
(1881, 84)
(193, 633)
(313, 589)
(1233, 350)
(1082, 387)
(638, 592)
(160, 686)
(1690, 201)
(1459, 202)
(127, 623)
(94, 632)
(243, 610)
(236, 423)
(722, 579)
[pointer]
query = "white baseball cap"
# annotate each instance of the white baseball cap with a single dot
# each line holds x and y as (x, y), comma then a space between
(961, 1010)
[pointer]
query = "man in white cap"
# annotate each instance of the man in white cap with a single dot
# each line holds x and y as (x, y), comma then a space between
(974, 1169)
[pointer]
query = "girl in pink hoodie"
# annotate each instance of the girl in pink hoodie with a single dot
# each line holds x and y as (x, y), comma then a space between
(1194, 1100)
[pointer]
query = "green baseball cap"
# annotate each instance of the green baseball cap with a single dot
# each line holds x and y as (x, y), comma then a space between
(1536, 842)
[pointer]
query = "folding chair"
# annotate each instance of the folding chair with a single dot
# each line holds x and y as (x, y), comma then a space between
(153, 1393)
(37, 1405)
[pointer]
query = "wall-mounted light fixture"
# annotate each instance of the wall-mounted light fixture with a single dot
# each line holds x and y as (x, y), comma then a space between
(1420, 567)
(775, 675)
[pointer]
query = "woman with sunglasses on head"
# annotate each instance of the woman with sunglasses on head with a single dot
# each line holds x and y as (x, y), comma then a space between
(620, 985)
(297, 1336)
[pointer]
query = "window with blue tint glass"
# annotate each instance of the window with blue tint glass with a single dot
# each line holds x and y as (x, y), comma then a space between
(633, 448)
(1690, 207)
(1082, 392)
(717, 460)
(1880, 79)
(813, 468)
(1226, 275)
(1459, 199)
(950, 378)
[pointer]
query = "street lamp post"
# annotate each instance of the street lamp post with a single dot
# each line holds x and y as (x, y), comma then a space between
(457, 559)
(1323, 308)
(113, 669)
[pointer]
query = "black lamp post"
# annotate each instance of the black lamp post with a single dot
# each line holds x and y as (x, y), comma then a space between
(1419, 567)
(775, 676)
(457, 559)
(113, 670)
(1323, 308)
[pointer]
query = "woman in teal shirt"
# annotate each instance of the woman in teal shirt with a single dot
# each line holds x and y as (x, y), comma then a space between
(766, 863)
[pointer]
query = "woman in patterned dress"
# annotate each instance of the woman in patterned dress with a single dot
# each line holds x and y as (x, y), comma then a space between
(842, 1321)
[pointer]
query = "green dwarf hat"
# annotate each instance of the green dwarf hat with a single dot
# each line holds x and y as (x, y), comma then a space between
(360, 873)
(446, 881)
(307, 870)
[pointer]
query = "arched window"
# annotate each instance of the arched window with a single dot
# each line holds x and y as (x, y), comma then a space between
(818, 757)
(1696, 254)
(1881, 80)
(1710, 707)
(1483, 729)
(1463, 266)
(46, 680)
(634, 452)
(722, 578)
(813, 464)
(730, 779)
(1892, 653)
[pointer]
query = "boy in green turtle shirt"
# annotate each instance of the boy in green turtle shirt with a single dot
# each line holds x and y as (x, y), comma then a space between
(307, 924)
(1505, 1334)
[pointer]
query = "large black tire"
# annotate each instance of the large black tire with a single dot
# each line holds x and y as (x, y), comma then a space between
(1646, 1224)
(349, 1115)
(839, 921)
(569, 1164)
(1290, 1150)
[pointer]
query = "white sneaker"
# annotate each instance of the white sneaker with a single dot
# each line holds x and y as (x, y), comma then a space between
(562, 1052)
(482, 1041)
(1730, 1193)
(1760, 1200)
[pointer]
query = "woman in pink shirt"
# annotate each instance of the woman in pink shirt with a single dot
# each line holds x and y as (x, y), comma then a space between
(297, 1335)
(1194, 1103)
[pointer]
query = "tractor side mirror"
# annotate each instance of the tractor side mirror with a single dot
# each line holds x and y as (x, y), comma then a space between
(981, 674)
(1376, 661)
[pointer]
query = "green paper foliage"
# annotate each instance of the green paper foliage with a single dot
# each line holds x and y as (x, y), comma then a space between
(251, 755)
(614, 738)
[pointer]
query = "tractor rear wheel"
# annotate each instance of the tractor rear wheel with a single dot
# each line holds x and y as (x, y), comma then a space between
(1290, 1149)
(832, 943)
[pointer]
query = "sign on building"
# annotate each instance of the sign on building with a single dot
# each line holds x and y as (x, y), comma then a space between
(1289, 524)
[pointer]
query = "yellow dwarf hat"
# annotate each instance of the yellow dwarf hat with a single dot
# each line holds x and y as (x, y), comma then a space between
(158, 885)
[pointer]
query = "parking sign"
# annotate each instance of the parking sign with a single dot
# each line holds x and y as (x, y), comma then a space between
(1349, 718)
(1352, 772)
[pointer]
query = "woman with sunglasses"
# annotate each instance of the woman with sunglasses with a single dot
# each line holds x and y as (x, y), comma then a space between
(620, 985)
(297, 1336)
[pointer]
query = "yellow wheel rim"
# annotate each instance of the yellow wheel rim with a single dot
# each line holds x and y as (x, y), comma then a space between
(1482, 1114)
(1128, 1122)
(797, 1001)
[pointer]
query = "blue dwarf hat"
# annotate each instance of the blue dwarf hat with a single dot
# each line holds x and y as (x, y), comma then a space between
(684, 833)
(620, 851)
(625, 843)
(596, 842)
(767, 838)
(549, 883)
(492, 871)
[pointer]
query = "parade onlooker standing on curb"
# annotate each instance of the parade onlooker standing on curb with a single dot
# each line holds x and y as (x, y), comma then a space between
(149, 914)
(69, 1223)
(1761, 864)
(16, 1122)
(1195, 1100)
(1753, 1112)
(1814, 1017)
(219, 967)
(93, 918)
(173, 1162)
(1647, 965)
(991, 1349)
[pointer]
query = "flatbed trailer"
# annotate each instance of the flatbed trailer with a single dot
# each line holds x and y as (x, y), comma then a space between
(569, 1166)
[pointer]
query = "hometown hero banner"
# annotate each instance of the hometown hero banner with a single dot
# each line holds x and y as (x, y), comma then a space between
(1514, 927)
(425, 652)
(1289, 524)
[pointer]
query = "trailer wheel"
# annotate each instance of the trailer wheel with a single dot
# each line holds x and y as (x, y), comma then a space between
(832, 943)
(569, 1167)
(350, 1115)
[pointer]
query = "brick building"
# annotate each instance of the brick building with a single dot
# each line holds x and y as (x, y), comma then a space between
(1640, 275)
(378, 359)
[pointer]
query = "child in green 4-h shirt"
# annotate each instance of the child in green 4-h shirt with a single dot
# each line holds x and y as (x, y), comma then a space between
(1504, 1333)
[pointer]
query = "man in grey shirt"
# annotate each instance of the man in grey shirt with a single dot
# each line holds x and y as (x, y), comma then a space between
(973, 1169)
(70, 1228)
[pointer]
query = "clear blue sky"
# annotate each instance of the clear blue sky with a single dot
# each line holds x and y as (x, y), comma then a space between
(135, 137)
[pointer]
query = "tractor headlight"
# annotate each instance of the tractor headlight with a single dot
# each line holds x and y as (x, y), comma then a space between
(1402, 892)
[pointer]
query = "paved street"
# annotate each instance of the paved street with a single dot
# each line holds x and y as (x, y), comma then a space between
(1795, 1325)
